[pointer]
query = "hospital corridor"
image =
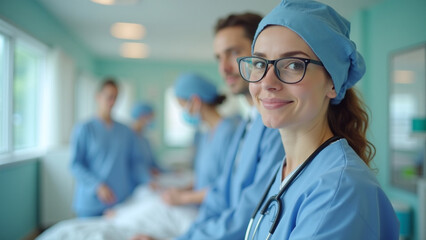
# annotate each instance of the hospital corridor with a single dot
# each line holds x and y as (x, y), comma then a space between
(212, 120)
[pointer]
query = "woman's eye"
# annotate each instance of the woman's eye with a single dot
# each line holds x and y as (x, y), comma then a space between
(296, 66)
(259, 64)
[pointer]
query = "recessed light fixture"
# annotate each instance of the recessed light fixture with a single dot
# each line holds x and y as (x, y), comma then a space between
(134, 50)
(104, 2)
(112, 2)
(131, 31)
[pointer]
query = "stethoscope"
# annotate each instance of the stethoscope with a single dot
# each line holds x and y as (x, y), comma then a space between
(275, 199)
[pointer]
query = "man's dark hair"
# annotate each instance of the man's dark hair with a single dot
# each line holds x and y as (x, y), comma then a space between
(248, 21)
(108, 82)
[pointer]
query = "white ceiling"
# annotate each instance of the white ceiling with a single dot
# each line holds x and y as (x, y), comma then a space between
(175, 29)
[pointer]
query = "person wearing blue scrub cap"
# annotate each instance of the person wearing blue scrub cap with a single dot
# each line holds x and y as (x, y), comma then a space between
(142, 109)
(323, 29)
(200, 99)
(191, 90)
(143, 115)
(301, 73)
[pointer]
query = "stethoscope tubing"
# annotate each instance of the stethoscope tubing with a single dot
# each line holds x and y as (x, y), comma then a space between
(276, 198)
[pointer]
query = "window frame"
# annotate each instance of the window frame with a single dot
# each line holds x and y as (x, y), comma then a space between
(13, 35)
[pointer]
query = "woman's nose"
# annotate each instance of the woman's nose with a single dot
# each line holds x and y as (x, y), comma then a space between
(270, 81)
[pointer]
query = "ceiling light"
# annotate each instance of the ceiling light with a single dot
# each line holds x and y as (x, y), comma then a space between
(111, 2)
(104, 2)
(127, 2)
(134, 50)
(131, 31)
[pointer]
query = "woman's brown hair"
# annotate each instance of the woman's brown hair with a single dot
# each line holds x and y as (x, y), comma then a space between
(349, 119)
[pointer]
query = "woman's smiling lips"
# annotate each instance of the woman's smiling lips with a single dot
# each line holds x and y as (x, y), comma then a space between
(273, 103)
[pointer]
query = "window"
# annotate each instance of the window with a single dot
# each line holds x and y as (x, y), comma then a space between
(3, 95)
(27, 71)
(22, 67)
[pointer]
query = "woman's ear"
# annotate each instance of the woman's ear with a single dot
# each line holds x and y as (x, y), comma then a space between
(331, 93)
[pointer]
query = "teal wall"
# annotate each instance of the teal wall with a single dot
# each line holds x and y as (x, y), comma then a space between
(152, 77)
(35, 20)
(387, 27)
(19, 199)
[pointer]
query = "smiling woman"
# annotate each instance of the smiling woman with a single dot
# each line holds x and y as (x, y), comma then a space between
(324, 188)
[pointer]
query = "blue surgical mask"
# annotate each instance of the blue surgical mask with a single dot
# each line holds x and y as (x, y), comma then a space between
(193, 120)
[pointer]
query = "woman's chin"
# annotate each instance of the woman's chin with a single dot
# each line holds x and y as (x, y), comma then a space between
(271, 123)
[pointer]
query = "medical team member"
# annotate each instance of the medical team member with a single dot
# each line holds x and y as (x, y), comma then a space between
(143, 115)
(199, 99)
(106, 160)
(301, 73)
(254, 151)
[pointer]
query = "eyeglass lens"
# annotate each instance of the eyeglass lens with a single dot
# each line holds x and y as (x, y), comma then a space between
(288, 70)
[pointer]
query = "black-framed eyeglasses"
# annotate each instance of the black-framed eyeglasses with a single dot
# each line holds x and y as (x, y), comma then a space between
(289, 70)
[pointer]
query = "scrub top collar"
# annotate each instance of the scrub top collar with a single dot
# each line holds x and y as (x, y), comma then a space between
(105, 124)
(283, 182)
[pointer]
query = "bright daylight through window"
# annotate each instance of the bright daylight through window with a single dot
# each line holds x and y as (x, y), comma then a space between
(3, 96)
(22, 65)
(27, 71)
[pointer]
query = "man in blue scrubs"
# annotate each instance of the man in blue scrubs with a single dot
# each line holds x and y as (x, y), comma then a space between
(106, 160)
(254, 153)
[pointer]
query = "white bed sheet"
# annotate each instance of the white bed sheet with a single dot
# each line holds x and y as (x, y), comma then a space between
(143, 213)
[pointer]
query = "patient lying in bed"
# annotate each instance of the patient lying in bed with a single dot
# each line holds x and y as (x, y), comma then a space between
(145, 212)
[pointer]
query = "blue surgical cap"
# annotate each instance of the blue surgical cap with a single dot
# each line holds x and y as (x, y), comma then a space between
(189, 84)
(141, 109)
(327, 34)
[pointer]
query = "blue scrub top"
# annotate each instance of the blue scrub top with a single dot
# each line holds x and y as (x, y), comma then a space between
(226, 210)
(147, 152)
(335, 197)
(210, 155)
(104, 154)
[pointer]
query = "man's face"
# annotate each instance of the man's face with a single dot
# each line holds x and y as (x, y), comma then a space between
(229, 44)
(106, 98)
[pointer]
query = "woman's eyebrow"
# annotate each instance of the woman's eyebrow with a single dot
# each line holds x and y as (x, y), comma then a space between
(258, 54)
(286, 54)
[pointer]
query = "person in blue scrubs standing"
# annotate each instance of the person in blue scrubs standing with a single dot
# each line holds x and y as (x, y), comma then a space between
(254, 151)
(302, 71)
(143, 115)
(106, 160)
